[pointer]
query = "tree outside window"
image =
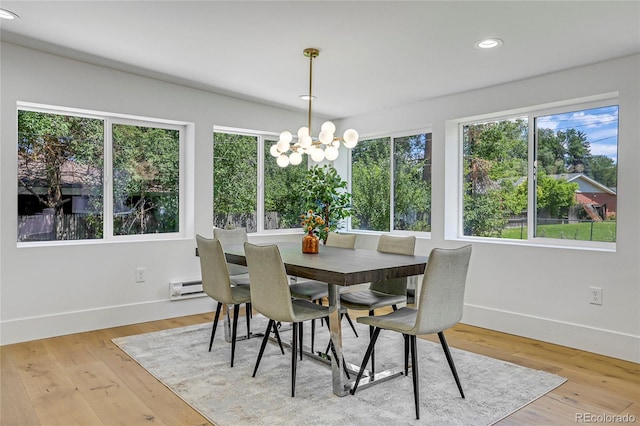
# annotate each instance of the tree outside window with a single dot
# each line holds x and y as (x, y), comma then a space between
(61, 184)
(371, 185)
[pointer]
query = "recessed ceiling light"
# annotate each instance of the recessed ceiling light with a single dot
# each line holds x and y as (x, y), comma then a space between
(7, 14)
(489, 43)
(306, 97)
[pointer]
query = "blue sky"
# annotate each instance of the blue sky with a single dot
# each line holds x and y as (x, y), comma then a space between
(599, 124)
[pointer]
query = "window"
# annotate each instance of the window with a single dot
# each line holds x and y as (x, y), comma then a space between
(371, 185)
(577, 159)
(412, 183)
(495, 170)
(572, 163)
(282, 205)
(63, 192)
(239, 183)
(379, 205)
(146, 179)
(235, 181)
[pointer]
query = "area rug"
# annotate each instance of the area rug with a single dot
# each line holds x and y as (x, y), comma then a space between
(179, 358)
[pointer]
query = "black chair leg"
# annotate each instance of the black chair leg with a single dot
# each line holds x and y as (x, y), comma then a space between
(234, 331)
(300, 333)
(294, 359)
(247, 308)
(351, 323)
(264, 344)
(414, 371)
(335, 354)
(406, 354)
(313, 334)
(445, 347)
(277, 334)
(367, 354)
(373, 351)
(215, 324)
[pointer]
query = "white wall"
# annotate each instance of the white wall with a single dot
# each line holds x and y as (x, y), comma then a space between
(542, 292)
(48, 291)
(530, 291)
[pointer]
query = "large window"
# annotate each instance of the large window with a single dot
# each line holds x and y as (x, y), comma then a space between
(570, 155)
(390, 196)
(251, 190)
(63, 159)
(235, 181)
(412, 183)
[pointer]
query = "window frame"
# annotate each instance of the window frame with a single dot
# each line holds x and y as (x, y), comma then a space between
(185, 130)
(531, 113)
(392, 137)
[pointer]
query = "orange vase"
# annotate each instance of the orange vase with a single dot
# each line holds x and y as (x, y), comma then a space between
(310, 243)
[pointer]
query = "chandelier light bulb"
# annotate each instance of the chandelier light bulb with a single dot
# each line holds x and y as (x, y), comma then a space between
(286, 137)
(326, 137)
(295, 158)
(331, 153)
(317, 155)
(274, 150)
(283, 146)
(303, 131)
(283, 160)
(350, 138)
(328, 126)
(305, 142)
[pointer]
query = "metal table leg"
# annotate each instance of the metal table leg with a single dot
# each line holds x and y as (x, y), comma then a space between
(341, 385)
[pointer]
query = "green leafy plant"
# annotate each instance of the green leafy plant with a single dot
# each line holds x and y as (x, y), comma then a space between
(324, 192)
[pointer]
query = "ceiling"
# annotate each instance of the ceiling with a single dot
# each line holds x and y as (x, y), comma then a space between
(373, 55)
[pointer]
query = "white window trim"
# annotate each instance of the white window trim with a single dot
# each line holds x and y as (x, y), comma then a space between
(454, 154)
(185, 188)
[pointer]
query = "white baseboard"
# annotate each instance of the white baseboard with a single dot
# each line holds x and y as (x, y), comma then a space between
(40, 327)
(590, 339)
(604, 342)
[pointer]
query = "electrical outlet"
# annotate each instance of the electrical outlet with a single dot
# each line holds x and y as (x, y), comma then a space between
(595, 295)
(140, 275)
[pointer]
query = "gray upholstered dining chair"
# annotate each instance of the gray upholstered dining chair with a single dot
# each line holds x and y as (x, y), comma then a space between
(440, 307)
(315, 291)
(217, 285)
(381, 294)
(238, 274)
(272, 298)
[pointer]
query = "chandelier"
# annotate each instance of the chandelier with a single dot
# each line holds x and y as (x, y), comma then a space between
(324, 147)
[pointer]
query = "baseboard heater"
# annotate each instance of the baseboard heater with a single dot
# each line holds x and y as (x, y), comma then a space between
(179, 290)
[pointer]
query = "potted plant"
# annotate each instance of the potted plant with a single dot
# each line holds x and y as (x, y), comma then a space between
(324, 192)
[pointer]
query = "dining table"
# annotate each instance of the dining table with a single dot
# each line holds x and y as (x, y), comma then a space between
(340, 267)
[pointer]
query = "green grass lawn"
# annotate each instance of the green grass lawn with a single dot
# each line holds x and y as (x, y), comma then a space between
(602, 231)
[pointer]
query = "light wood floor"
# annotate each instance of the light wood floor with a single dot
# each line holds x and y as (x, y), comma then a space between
(84, 379)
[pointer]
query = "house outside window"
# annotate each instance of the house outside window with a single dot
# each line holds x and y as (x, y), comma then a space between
(391, 183)
(65, 163)
(570, 154)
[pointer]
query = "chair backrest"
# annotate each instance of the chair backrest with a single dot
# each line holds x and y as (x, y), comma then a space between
(341, 240)
(442, 293)
(270, 294)
(213, 264)
(232, 236)
(395, 245)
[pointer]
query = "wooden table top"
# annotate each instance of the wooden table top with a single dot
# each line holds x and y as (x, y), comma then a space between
(338, 265)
